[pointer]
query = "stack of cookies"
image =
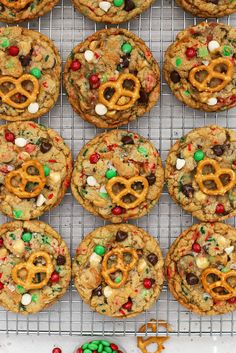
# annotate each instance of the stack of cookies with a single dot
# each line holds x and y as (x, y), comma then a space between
(112, 78)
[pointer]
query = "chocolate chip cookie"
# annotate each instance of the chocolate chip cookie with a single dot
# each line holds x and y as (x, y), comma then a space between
(200, 173)
(118, 176)
(208, 8)
(35, 266)
(200, 67)
(13, 11)
(201, 268)
(118, 270)
(35, 169)
(30, 68)
(112, 11)
(111, 78)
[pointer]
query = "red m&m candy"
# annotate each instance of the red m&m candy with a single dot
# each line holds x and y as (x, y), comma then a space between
(13, 50)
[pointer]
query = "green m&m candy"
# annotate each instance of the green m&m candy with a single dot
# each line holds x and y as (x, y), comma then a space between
(17, 213)
(4, 42)
(111, 173)
(46, 170)
(118, 3)
(36, 72)
(198, 155)
(26, 237)
(126, 48)
(99, 250)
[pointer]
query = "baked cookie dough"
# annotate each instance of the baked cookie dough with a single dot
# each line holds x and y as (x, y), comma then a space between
(200, 67)
(35, 266)
(118, 176)
(30, 68)
(35, 169)
(118, 270)
(200, 173)
(111, 78)
(13, 11)
(112, 11)
(201, 268)
(208, 8)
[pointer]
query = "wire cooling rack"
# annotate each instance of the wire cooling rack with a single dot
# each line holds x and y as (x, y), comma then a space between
(168, 120)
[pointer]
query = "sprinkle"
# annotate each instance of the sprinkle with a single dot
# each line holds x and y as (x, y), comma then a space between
(91, 181)
(104, 5)
(178, 62)
(50, 196)
(212, 101)
(213, 45)
(180, 163)
(20, 142)
(107, 291)
(100, 109)
(40, 200)
(89, 55)
(33, 108)
(229, 250)
(26, 299)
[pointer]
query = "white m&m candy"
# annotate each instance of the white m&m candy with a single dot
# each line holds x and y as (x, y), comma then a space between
(213, 45)
(26, 299)
(91, 181)
(20, 142)
(89, 55)
(212, 101)
(33, 108)
(101, 109)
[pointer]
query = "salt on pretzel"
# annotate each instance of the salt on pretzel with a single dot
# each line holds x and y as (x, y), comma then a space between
(201, 178)
(118, 100)
(221, 283)
(119, 266)
(117, 198)
(19, 89)
(211, 74)
(159, 340)
(24, 176)
(16, 4)
(31, 270)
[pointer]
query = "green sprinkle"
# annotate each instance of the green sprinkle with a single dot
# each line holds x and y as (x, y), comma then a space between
(202, 52)
(111, 173)
(4, 42)
(36, 72)
(227, 51)
(46, 58)
(26, 237)
(187, 93)
(126, 47)
(178, 62)
(118, 280)
(198, 155)
(20, 289)
(85, 152)
(99, 250)
(202, 230)
(17, 213)
(118, 3)
(46, 170)
(143, 151)
(34, 298)
(184, 290)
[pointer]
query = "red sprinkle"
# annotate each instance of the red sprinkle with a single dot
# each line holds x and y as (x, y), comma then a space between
(196, 247)
(117, 210)
(13, 50)
(220, 208)
(1, 285)
(189, 147)
(75, 65)
(190, 53)
(9, 136)
(32, 125)
(114, 347)
(231, 300)
(55, 277)
(79, 350)
(127, 306)
(52, 161)
(50, 196)
(94, 158)
(147, 283)
(1, 242)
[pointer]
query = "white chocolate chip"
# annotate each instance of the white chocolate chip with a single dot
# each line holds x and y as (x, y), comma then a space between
(33, 108)
(103, 190)
(40, 200)
(26, 299)
(212, 101)
(229, 250)
(19, 246)
(107, 291)
(205, 62)
(180, 163)
(20, 142)
(100, 109)
(10, 168)
(95, 259)
(202, 262)
(104, 5)
(142, 265)
(89, 55)
(213, 45)
(55, 177)
(91, 181)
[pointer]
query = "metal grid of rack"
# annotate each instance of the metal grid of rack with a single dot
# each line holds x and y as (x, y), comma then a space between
(168, 121)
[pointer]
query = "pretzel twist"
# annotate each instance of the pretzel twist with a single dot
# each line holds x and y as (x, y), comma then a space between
(144, 343)
(32, 270)
(25, 177)
(222, 282)
(16, 4)
(117, 198)
(120, 265)
(212, 73)
(119, 92)
(220, 189)
(31, 96)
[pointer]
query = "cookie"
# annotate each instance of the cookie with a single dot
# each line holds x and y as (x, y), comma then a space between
(208, 8)
(200, 173)
(118, 176)
(35, 169)
(35, 266)
(200, 69)
(111, 78)
(118, 270)
(112, 11)
(24, 10)
(30, 68)
(200, 268)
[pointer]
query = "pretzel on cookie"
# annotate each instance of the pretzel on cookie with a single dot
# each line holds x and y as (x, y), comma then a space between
(211, 74)
(19, 89)
(118, 100)
(16, 4)
(117, 197)
(24, 176)
(119, 266)
(201, 178)
(220, 283)
(31, 270)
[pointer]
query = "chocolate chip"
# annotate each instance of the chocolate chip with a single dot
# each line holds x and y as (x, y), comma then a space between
(45, 146)
(192, 279)
(1, 7)
(129, 5)
(215, 2)
(187, 190)
(144, 97)
(151, 179)
(108, 93)
(97, 292)
(127, 140)
(121, 236)
(218, 150)
(61, 260)
(175, 77)
(152, 258)
(26, 59)
(125, 61)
